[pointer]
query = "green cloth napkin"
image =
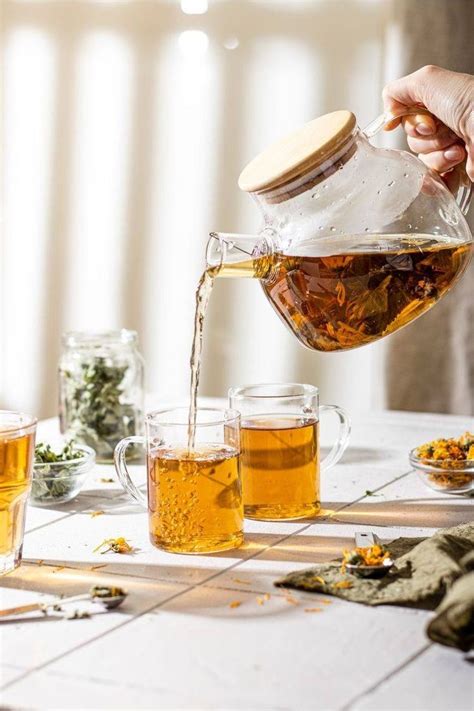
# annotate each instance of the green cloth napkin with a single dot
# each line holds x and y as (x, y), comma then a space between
(424, 570)
(454, 621)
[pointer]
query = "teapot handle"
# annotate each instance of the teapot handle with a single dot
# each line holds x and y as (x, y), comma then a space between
(457, 179)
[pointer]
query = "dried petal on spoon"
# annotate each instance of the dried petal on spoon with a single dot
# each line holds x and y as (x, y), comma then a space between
(100, 591)
(375, 555)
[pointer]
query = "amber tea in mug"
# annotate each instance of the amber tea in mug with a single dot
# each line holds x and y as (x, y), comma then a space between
(280, 459)
(17, 444)
(194, 495)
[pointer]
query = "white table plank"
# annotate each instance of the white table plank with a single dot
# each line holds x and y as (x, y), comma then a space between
(59, 545)
(318, 543)
(35, 639)
(409, 502)
(271, 656)
(438, 679)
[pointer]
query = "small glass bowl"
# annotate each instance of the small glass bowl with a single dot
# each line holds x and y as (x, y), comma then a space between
(449, 476)
(58, 482)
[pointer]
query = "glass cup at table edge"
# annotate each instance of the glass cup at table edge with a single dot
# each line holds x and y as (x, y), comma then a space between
(301, 390)
(24, 425)
(226, 419)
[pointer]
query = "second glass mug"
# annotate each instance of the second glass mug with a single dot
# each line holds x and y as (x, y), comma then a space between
(194, 496)
(280, 448)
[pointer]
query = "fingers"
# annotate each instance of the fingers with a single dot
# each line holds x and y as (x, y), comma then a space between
(470, 167)
(444, 93)
(421, 124)
(441, 139)
(392, 107)
(415, 89)
(444, 160)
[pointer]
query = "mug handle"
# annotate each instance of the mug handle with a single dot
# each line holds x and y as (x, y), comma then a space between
(122, 470)
(339, 447)
(457, 179)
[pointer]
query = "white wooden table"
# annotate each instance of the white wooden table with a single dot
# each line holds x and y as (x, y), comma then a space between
(177, 642)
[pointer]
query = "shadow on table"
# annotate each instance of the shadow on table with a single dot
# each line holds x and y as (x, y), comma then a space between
(57, 573)
(429, 512)
(113, 502)
(143, 594)
(365, 455)
(228, 603)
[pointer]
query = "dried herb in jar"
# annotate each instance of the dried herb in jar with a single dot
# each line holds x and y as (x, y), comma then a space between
(97, 411)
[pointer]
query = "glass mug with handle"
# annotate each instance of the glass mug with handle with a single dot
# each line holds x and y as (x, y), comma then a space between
(194, 494)
(17, 451)
(280, 460)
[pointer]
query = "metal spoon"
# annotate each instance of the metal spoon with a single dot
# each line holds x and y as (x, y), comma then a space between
(364, 540)
(110, 597)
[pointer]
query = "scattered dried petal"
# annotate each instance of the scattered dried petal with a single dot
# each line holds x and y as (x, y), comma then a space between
(235, 603)
(97, 513)
(343, 584)
(106, 480)
(97, 567)
(116, 545)
(242, 582)
(313, 609)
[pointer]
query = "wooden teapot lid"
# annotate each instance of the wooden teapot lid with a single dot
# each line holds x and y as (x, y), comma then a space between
(298, 152)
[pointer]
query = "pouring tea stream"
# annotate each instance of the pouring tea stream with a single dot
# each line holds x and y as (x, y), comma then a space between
(357, 241)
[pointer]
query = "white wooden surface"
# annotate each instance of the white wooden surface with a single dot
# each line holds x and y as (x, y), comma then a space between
(177, 644)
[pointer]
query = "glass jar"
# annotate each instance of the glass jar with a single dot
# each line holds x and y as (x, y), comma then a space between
(101, 390)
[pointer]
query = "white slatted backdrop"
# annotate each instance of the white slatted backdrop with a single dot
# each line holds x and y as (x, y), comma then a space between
(126, 125)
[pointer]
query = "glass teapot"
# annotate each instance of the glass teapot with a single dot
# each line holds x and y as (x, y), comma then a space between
(356, 242)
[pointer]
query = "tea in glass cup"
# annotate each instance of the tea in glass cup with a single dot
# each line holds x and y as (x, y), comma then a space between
(17, 450)
(194, 494)
(280, 459)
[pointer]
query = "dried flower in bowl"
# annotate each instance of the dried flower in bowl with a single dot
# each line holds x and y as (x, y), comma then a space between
(447, 463)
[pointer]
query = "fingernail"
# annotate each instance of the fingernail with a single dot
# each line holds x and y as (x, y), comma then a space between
(424, 129)
(452, 153)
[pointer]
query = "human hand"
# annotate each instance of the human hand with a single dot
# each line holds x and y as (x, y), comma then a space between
(447, 137)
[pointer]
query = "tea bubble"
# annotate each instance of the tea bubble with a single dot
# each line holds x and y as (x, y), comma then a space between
(333, 229)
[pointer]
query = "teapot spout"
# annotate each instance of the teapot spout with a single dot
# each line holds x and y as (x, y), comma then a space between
(237, 255)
